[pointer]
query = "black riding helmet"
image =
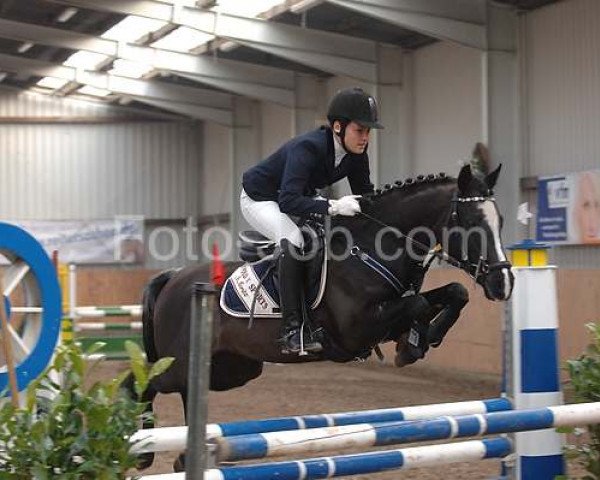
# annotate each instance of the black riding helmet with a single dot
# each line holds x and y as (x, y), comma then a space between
(353, 104)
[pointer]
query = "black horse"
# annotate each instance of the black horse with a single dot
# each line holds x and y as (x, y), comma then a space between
(360, 307)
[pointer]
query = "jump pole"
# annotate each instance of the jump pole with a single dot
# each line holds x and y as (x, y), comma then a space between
(361, 463)
(301, 442)
(167, 439)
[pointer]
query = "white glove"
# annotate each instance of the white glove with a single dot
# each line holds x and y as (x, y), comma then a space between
(347, 206)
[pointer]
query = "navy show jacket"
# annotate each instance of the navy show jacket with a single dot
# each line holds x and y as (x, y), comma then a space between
(291, 175)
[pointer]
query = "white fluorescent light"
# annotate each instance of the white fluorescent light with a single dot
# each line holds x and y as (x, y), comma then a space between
(96, 92)
(52, 82)
(3, 75)
(24, 47)
(66, 14)
(85, 60)
(133, 28)
(245, 9)
(304, 5)
(125, 68)
(183, 39)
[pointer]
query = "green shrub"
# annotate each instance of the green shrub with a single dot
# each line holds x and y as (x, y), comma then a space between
(584, 386)
(78, 429)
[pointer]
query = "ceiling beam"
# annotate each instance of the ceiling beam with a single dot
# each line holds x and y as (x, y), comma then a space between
(259, 82)
(194, 111)
(135, 112)
(215, 106)
(261, 92)
(57, 37)
(459, 21)
(330, 52)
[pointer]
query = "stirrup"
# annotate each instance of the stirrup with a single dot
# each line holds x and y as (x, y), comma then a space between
(294, 341)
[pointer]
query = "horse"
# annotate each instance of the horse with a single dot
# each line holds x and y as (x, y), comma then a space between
(365, 300)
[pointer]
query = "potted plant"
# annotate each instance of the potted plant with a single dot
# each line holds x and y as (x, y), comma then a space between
(584, 386)
(77, 429)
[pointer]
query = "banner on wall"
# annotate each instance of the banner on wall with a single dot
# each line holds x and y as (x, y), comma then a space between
(569, 209)
(120, 240)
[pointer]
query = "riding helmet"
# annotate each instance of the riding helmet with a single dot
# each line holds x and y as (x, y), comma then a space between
(354, 104)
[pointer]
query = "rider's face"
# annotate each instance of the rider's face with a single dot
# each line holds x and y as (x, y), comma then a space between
(356, 138)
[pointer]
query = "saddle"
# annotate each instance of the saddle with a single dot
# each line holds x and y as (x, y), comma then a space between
(254, 286)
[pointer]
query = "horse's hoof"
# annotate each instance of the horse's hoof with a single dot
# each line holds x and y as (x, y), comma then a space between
(405, 353)
(179, 464)
(144, 460)
(404, 358)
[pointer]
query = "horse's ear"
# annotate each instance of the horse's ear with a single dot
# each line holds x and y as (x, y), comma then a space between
(492, 178)
(464, 178)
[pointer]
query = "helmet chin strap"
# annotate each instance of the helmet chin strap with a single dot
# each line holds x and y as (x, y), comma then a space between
(341, 134)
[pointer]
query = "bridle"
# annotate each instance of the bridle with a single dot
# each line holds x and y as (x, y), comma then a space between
(480, 269)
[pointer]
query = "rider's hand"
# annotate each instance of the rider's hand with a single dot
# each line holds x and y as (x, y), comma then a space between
(347, 206)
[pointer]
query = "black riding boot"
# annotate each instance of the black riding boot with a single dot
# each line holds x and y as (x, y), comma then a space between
(291, 283)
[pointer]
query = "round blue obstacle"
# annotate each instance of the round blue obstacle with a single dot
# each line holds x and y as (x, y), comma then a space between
(19, 246)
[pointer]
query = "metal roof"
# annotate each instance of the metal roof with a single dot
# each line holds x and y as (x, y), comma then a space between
(346, 35)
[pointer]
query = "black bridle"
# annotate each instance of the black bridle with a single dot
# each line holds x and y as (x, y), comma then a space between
(482, 267)
(475, 270)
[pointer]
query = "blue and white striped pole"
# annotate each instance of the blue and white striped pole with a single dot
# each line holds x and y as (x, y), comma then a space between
(357, 464)
(533, 375)
(416, 412)
(296, 442)
(167, 439)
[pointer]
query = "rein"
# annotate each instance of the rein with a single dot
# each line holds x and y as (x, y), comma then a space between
(481, 267)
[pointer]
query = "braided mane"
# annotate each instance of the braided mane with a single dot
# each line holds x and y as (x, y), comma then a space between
(411, 183)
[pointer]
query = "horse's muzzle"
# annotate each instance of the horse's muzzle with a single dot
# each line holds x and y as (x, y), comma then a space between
(498, 284)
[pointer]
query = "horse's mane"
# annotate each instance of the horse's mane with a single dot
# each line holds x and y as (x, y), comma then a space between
(409, 185)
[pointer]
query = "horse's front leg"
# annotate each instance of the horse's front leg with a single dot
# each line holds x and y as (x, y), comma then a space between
(448, 300)
(407, 320)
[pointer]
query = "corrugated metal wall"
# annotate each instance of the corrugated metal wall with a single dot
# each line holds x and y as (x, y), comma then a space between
(73, 171)
(216, 164)
(447, 106)
(561, 44)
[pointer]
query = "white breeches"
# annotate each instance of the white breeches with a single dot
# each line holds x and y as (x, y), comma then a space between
(266, 218)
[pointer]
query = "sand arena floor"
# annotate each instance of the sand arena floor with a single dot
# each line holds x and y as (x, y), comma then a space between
(328, 388)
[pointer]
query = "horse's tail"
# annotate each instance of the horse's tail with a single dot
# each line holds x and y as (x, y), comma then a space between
(151, 293)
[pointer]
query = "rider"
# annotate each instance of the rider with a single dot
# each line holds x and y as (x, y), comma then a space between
(285, 183)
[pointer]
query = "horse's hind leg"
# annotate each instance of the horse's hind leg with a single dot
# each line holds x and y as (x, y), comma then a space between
(227, 370)
(450, 299)
(179, 463)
